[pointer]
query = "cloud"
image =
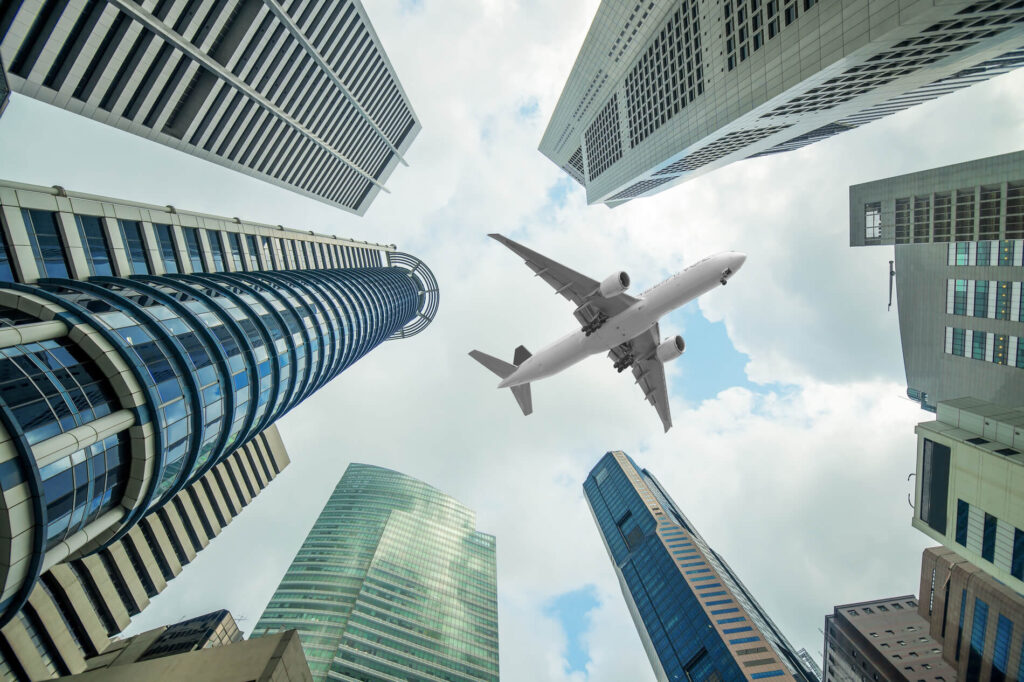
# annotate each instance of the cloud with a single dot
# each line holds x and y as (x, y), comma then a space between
(796, 475)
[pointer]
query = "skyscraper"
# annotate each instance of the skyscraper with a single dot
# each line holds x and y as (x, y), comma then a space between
(116, 393)
(5, 90)
(959, 236)
(392, 582)
(882, 639)
(970, 471)
(298, 94)
(978, 620)
(695, 618)
(665, 90)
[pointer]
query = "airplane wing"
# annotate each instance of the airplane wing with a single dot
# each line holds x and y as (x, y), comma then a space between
(579, 289)
(648, 370)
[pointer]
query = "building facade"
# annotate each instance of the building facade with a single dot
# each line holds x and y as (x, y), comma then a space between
(885, 639)
(184, 342)
(392, 582)
(969, 490)
(665, 90)
(77, 606)
(959, 237)
(5, 90)
(978, 620)
(299, 94)
(703, 625)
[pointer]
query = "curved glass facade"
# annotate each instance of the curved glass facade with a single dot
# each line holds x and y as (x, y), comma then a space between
(392, 582)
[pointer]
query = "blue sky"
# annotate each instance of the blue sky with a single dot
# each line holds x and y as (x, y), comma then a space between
(572, 610)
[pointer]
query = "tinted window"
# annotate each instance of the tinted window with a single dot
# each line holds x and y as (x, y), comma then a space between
(46, 242)
(216, 250)
(131, 232)
(236, 250)
(195, 249)
(934, 485)
(94, 242)
(165, 240)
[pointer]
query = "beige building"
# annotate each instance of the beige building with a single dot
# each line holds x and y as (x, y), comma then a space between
(884, 639)
(77, 606)
(969, 492)
(978, 621)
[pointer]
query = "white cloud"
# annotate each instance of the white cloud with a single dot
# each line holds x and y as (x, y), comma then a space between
(802, 491)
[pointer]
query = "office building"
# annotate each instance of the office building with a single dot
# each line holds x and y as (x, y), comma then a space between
(969, 489)
(884, 639)
(298, 94)
(277, 658)
(5, 90)
(959, 238)
(810, 664)
(978, 620)
(695, 618)
(76, 606)
(118, 392)
(393, 582)
(665, 90)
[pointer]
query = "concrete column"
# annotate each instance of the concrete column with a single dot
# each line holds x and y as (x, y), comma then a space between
(152, 246)
(118, 252)
(32, 333)
(78, 264)
(23, 261)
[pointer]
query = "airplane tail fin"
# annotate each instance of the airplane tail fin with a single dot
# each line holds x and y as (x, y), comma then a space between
(504, 370)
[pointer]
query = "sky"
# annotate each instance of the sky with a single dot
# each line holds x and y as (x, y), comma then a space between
(793, 438)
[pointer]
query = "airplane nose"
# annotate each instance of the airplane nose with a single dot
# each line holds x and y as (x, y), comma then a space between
(738, 260)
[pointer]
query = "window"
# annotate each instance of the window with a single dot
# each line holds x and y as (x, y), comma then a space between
(959, 342)
(168, 254)
(988, 538)
(883, 608)
(269, 255)
(1017, 562)
(963, 512)
(979, 345)
(960, 297)
(977, 639)
(981, 298)
(216, 250)
(1006, 252)
(47, 245)
(984, 254)
(873, 220)
(194, 248)
(1001, 650)
(94, 242)
(868, 609)
(6, 273)
(235, 244)
(1004, 294)
(135, 248)
(977, 441)
(254, 263)
(934, 485)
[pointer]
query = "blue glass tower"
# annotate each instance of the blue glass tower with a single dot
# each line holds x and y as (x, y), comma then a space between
(116, 392)
(696, 620)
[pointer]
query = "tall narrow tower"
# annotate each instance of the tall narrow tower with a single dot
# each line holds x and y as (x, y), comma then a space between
(118, 390)
(300, 94)
(665, 90)
(392, 582)
(696, 620)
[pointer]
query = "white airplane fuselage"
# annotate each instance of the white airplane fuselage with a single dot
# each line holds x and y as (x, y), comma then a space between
(653, 304)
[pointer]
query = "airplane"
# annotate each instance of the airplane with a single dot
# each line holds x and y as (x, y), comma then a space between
(611, 321)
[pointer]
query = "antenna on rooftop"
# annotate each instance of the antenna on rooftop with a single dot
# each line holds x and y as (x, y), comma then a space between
(892, 278)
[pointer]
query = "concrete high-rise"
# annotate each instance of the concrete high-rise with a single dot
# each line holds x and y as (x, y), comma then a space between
(76, 606)
(298, 94)
(665, 90)
(959, 239)
(696, 620)
(393, 582)
(883, 639)
(119, 392)
(970, 478)
(978, 620)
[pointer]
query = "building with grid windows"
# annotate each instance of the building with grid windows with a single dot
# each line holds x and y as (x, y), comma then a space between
(703, 624)
(970, 474)
(78, 605)
(141, 345)
(884, 639)
(978, 620)
(393, 582)
(665, 90)
(959, 239)
(300, 94)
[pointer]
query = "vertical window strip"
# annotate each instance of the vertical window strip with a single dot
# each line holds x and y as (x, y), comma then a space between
(47, 244)
(963, 512)
(95, 245)
(168, 254)
(978, 625)
(195, 249)
(216, 250)
(1001, 649)
(131, 233)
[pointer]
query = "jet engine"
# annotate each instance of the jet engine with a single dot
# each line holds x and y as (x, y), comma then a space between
(615, 284)
(670, 348)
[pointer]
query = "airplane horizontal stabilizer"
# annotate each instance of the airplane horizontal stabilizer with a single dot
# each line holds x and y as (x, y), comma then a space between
(521, 356)
(499, 367)
(523, 397)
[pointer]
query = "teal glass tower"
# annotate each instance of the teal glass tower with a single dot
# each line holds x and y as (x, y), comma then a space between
(393, 582)
(697, 621)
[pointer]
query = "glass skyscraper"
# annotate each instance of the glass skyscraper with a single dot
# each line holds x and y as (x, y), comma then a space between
(118, 391)
(393, 582)
(696, 620)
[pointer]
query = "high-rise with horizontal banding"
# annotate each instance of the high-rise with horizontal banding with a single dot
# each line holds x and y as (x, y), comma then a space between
(665, 90)
(695, 618)
(393, 582)
(299, 93)
(141, 345)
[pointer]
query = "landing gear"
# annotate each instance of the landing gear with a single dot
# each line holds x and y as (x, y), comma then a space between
(725, 276)
(595, 324)
(624, 364)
